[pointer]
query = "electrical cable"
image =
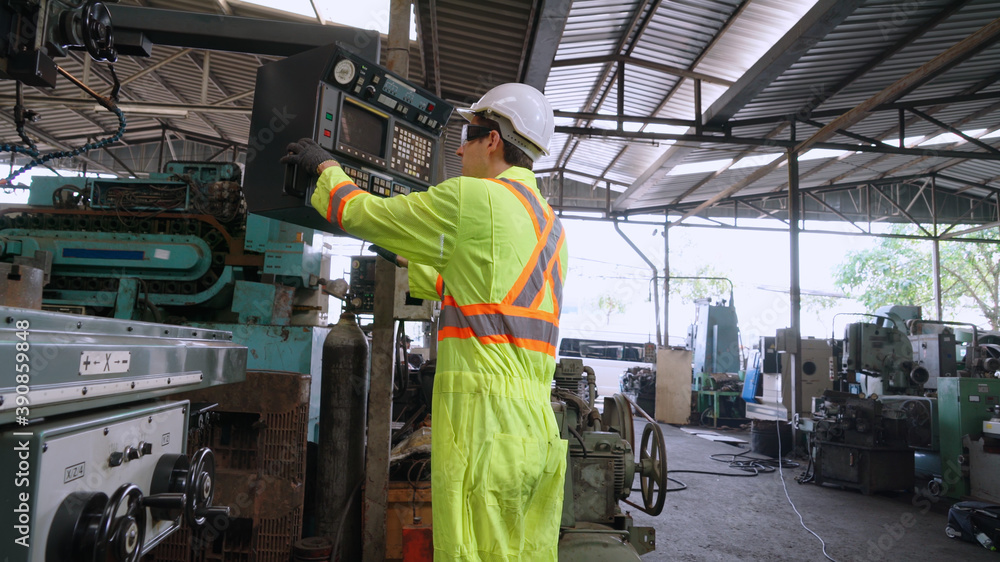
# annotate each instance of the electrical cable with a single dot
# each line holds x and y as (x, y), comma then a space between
(675, 481)
(781, 475)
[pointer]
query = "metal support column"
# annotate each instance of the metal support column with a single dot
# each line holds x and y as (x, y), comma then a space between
(666, 280)
(936, 272)
(794, 212)
(936, 252)
(376, 489)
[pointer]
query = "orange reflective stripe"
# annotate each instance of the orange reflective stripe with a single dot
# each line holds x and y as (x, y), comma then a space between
(523, 343)
(528, 204)
(529, 267)
(339, 196)
(517, 319)
(439, 287)
(453, 332)
(505, 309)
(533, 291)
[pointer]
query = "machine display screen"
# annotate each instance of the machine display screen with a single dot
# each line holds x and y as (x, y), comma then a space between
(363, 130)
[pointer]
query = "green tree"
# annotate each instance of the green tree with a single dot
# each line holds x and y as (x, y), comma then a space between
(705, 282)
(900, 271)
(610, 303)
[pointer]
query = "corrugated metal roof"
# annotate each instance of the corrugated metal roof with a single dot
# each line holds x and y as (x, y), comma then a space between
(467, 47)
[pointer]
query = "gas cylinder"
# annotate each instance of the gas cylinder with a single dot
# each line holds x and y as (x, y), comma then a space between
(342, 418)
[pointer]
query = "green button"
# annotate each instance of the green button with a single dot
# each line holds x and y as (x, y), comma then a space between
(329, 117)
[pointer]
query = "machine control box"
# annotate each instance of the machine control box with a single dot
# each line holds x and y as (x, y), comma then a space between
(384, 130)
(70, 470)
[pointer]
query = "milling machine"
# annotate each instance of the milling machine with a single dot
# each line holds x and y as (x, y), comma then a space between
(99, 466)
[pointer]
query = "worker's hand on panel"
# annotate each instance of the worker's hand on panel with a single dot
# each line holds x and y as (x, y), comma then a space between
(306, 154)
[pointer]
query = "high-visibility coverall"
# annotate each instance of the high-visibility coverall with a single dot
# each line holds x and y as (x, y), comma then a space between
(494, 253)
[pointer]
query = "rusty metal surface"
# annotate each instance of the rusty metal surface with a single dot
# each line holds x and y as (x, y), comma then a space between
(265, 392)
(21, 286)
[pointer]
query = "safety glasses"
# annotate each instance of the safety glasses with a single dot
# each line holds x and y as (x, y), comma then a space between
(472, 132)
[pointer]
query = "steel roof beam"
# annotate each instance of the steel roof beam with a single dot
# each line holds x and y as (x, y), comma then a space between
(238, 34)
(820, 97)
(895, 106)
(770, 143)
(545, 40)
(822, 18)
(630, 60)
(952, 56)
(598, 93)
(676, 87)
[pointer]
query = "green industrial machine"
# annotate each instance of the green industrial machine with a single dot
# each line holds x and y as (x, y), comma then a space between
(714, 339)
(601, 469)
(963, 405)
(880, 358)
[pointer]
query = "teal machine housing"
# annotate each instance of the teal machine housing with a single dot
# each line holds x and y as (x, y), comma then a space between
(178, 247)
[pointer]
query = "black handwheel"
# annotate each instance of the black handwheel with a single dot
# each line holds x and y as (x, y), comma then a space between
(122, 534)
(98, 34)
(90, 527)
(200, 488)
(194, 478)
(653, 469)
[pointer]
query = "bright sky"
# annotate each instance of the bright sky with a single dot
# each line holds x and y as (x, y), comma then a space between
(364, 14)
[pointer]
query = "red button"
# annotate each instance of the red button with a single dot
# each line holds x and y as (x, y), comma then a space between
(430, 107)
(326, 132)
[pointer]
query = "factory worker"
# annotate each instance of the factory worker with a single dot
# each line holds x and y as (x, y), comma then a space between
(491, 249)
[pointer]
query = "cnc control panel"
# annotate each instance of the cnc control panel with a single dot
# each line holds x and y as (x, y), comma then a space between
(384, 130)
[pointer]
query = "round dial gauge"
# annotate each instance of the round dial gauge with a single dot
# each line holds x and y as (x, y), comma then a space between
(343, 72)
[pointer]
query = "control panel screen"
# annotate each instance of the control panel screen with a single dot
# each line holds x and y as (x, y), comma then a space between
(362, 130)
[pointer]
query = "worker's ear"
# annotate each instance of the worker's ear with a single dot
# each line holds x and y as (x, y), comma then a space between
(496, 142)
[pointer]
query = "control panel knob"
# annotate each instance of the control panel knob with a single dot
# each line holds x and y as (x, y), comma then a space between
(131, 453)
(145, 448)
(116, 459)
(164, 504)
(369, 92)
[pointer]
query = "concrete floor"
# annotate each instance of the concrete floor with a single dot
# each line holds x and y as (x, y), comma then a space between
(724, 519)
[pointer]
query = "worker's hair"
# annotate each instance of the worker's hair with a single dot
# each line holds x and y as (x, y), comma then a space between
(511, 153)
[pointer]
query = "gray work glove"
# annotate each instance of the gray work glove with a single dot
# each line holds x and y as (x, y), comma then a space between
(306, 154)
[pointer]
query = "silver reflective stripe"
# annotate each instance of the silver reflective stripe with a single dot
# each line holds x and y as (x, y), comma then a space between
(536, 283)
(337, 197)
(529, 196)
(484, 325)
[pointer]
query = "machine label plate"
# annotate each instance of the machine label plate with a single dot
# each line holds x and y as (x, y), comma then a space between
(74, 472)
(105, 362)
(984, 388)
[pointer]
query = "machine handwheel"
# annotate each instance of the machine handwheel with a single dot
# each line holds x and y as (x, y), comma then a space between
(98, 34)
(200, 488)
(653, 466)
(90, 527)
(123, 534)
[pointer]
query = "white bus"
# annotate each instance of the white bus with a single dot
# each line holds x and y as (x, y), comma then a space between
(608, 359)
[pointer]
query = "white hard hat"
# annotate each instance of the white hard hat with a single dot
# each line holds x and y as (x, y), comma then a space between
(525, 109)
